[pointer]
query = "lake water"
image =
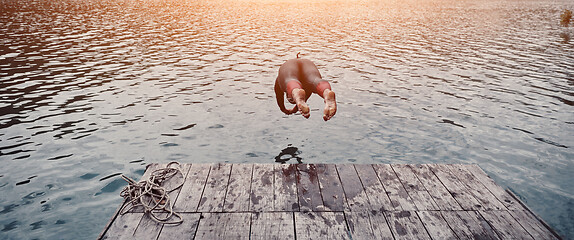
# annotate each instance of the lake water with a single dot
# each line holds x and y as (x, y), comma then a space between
(91, 89)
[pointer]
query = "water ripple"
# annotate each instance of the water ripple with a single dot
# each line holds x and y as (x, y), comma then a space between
(88, 86)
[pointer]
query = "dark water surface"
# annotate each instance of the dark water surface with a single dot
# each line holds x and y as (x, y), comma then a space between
(93, 89)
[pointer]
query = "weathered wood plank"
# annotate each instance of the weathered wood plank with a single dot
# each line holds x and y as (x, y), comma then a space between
(237, 197)
(400, 199)
(223, 226)
(406, 225)
(494, 188)
(531, 224)
(414, 187)
(175, 183)
(467, 226)
(320, 225)
(285, 194)
(272, 226)
(475, 187)
(475, 215)
(192, 188)
(374, 189)
(262, 188)
(331, 188)
(505, 225)
(437, 190)
(148, 229)
(455, 187)
(308, 188)
(353, 188)
(185, 230)
(461, 227)
(359, 225)
(436, 225)
(380, 226)
(213, 196)
(123, 226)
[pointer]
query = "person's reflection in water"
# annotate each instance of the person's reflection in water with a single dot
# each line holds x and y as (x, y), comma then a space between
(287, 154)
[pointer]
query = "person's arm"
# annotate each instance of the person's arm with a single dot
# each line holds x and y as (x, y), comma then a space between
(280, 100)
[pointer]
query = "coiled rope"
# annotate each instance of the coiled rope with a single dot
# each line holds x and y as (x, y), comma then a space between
(151, 195)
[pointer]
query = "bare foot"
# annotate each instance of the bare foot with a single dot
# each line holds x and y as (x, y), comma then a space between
(299, 97)
(330, 104)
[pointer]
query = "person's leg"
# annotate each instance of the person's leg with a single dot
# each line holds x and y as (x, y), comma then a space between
(290, 83)
(324, 90)
(296, 95)
(290, 86)
(314, 81)
(299, 97)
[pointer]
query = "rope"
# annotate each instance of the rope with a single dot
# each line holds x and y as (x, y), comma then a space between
(152, 196)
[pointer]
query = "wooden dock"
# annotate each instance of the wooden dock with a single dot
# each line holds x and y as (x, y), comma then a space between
(336, 201)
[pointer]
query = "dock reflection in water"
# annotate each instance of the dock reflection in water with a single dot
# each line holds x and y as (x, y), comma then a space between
(93, 89)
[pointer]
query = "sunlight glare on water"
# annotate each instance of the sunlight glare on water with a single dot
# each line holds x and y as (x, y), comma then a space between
(93, 89)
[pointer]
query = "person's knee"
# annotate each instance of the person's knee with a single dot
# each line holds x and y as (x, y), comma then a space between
(292, 84)
(322, 86)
